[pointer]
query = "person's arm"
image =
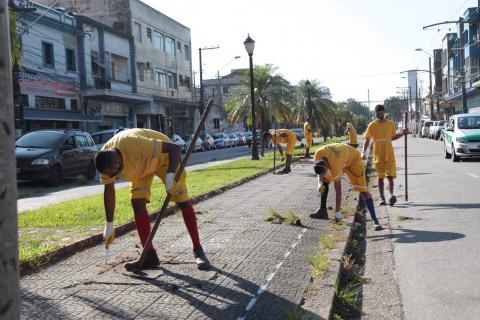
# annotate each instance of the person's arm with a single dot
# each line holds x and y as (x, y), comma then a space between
(338, 195)
(280, 150)
(109, 201)
(174, 155)
(399, 135)
(365, 148)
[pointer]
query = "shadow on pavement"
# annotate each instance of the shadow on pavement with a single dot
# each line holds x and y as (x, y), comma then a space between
(437, 206)
(414, 236)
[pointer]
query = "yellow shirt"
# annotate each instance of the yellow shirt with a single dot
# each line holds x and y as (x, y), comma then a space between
(339, 156)
(141, 151)
(381, 134)
(291, 137)
(307, 130)
(352, 133)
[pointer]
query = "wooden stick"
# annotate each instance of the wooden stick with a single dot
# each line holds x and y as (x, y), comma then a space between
(178, 174)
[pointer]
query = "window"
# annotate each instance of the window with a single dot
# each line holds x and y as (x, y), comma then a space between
(172, 81)
(225, 90)
(149, 34)
(49, 103)
(81, 141)
(48, 58)
(119, 68)
(70, 60)
(161, 79)
(69, 142)
(187, 52)
(74, 104)
(158, 40)
(141, 71)
(169, 45)
(216, 123)
(96, 68)
(137, 31)
(188, 84)
(180, 80)
(179, 47)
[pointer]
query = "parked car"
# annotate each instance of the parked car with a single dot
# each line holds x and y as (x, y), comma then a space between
(235, 141)
(221, 140)
(248, 138)
(208, 142)
(179, 142)
(438, 129)
(442, 130)
(241, 138)
(198, 143)
(101, 137)
(299, 133)
(425, 131)
(462, 137)
(431, 129)
(51, 155)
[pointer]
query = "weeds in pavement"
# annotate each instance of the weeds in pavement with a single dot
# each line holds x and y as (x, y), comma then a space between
(291, 218)
(401, 217)
(327, 242)
(339, 226)
(210, 220)
(337, 317)
(295, 314)
(348, 262)
(348, 296)
(355, 244)
(319, 262)
(278, 218)
(274, 216)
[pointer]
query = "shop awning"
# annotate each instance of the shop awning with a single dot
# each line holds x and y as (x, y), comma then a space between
(458, 95)
(57, 115)
(119, 96)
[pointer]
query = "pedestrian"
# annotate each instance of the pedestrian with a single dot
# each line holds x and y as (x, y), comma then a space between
(137, 155)
(287, 137)
(383, 132)
(351, 133)
(330, 163)
(307, 131)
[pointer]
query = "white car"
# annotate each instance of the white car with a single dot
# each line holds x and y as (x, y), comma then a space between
(432, 129)
(101, 137)
(425, 129)
(462, 137)
(179, 142)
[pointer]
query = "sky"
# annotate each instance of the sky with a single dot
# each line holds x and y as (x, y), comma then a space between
(350, 46)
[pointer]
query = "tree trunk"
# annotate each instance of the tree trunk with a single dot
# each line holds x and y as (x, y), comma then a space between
(9, 267)
(262, 125)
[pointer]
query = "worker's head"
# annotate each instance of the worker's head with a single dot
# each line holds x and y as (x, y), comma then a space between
(320, 167)
(380, 112)
(108, 162)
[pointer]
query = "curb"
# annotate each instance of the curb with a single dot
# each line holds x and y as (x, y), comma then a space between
(50, 258)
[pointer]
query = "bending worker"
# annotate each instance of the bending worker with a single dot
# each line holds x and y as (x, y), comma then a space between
(352, 134)
(330, 163)
(137, 155)
(307, 131)
(283, 136)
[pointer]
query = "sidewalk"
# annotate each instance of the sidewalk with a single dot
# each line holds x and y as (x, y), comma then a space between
(259, 269)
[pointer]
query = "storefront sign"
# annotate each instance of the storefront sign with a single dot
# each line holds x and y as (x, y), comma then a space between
(94, 108)
(44, 84)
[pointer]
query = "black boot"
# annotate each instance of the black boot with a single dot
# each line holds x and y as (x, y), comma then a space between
(321, 213)
(151, 261)
(284, 171)
(201, 259)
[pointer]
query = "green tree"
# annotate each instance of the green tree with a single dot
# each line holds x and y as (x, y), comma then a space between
(393, 106)
(356, 107)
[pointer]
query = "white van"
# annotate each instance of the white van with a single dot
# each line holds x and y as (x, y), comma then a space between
(462, 136)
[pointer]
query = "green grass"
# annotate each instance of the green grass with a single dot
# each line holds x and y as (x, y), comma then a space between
(210, 220)
(319, 262)
(288, 217)
(85, 216)
(327, 242)
(349, 294)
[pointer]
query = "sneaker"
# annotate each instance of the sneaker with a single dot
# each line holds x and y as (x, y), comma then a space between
(378, 227)
(338, 217)
(383, 202)
(392, 200)
(151, 261)
(284, 171)
(321, 213)
(308, 156)
(201, 259)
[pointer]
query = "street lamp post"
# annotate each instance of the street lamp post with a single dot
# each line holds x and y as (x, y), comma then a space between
(249, 47)
(430, 74)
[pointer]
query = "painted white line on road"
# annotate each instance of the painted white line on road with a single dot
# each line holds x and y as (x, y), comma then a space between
(473, 175)
(270, 277)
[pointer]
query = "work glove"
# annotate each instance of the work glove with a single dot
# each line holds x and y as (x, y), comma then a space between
(338, 216)
(364, 157)
(321, 188)
(170, 182)
(109, 233)
(405, 131)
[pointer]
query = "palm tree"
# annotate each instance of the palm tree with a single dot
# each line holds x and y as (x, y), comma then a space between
(272, 97)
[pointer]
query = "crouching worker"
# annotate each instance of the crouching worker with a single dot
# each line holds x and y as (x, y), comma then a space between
(352, 134)
(137, 155)
(287, 137)
(331, 162)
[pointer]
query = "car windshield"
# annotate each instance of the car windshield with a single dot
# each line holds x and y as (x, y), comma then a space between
(472, 122)
(428, 124)
(441, 123)
(218, 136)
(38, 139)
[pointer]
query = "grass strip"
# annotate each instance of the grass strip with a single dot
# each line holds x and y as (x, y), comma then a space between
(45, 229)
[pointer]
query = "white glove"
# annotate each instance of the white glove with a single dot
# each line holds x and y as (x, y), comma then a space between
(364, 157)
(321, 188)
(169, 181)
(109, 233)
(338, 216)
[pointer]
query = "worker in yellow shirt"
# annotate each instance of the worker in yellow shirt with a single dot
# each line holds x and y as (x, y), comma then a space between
(287, 137)
(351, 133)
(330, 163)
(307, 131)
(137, 155)
(382, 132)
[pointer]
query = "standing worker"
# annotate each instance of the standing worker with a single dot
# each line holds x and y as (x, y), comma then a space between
(352, 134)
(137, 155)
(383, 132)
(286, 137)
(307, 131)
(330, 163)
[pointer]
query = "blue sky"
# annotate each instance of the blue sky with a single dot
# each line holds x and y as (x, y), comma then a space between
(348, 45)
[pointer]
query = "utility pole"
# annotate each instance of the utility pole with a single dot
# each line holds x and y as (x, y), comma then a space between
(9, 274)
(431, 95)
(202, 104)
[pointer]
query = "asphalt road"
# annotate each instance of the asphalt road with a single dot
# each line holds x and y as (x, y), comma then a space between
(436, 248)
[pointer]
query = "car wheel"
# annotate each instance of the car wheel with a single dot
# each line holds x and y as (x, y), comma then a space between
(455, 158)
(447, 155)
(91, 171)
(55, 176)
